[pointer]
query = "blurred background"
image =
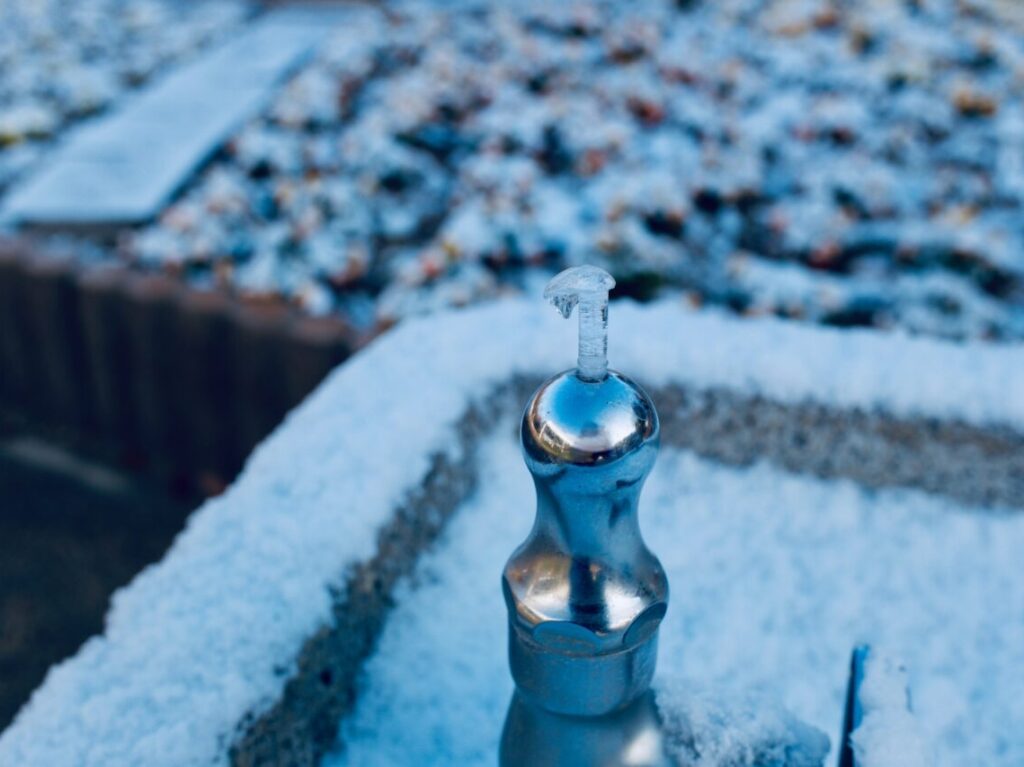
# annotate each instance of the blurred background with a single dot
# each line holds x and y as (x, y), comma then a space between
(206, 205)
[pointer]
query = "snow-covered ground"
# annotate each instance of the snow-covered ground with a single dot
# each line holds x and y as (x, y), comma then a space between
(63, 61)
(212, 633)
(125, 167)
(774, 579)
(888, 734)
(852, 164)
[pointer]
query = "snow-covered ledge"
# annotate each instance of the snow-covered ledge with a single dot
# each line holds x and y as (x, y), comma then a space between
(247, 640)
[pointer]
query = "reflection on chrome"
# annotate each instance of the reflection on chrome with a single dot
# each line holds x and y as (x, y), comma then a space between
(585, 595)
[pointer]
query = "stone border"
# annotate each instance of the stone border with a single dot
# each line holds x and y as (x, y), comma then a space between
(974, 465)
(968, 463)
(303, 725)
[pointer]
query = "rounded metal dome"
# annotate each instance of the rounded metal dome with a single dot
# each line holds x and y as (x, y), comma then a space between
(587, 423)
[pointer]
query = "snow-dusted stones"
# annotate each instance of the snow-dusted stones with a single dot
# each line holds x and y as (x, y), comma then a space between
(274, 627)
(855, 166)
(123, 168)
(61, 62)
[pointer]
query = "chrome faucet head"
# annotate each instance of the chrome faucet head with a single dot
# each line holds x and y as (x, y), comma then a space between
(585, 595)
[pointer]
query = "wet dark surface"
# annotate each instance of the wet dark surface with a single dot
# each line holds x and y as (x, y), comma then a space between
(71, 533)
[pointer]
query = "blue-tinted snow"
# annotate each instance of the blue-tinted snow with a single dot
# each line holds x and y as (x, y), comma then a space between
(889, 734)
(437, 690)
(774, 579)
(873, 148)
(200, 639)
(125, 166)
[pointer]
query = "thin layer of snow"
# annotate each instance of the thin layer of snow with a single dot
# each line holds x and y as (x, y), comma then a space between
(713, 726)
(889, 735)
(791, 362)
(774, 579)
(670, 143)
(210, 632)
(125, 166)
(709, 727)
(61, 62)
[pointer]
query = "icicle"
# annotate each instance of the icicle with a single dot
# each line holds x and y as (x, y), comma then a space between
(587, 286)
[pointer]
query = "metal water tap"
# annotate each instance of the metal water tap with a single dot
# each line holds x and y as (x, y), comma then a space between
(585, 595)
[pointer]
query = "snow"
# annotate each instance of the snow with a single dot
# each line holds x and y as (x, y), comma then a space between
(707, 727)
(210, 632)
(61, 62)
(789, 362)
(774, 579)
(125, 166)
(663, 141)
(889, 735)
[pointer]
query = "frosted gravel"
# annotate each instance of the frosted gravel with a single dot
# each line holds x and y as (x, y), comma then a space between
(868, 146)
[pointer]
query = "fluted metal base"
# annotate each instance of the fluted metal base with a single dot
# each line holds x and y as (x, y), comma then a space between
(581, 685)
(629, 737)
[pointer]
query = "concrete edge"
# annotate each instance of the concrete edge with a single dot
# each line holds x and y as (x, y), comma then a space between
(970, 464)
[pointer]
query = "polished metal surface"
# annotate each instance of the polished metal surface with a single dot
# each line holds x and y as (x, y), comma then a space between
(585, 596)
(629, 737)
(581, 423)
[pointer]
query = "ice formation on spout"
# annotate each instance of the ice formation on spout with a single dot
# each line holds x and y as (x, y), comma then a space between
(587, 286)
